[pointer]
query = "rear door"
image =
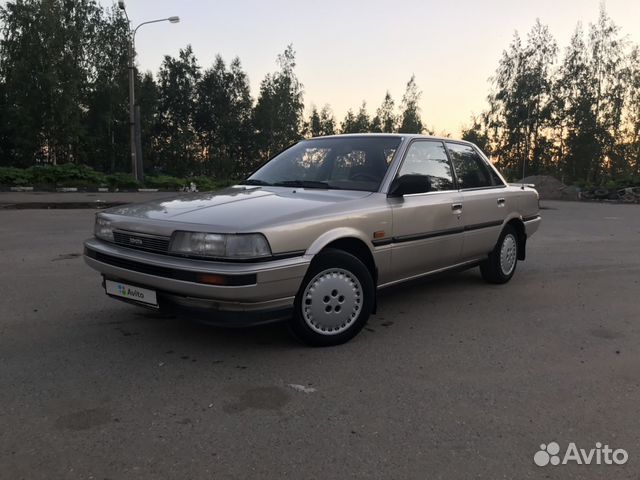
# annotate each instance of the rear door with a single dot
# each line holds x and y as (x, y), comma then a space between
(427, 227)
(483, 198)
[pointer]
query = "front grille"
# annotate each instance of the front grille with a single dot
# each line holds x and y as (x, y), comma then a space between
(142, 242)
(167, 272)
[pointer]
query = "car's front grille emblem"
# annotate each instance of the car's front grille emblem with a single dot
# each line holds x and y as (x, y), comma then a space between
(142, 241)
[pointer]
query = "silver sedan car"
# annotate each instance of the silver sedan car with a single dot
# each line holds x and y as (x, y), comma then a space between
(313, 234)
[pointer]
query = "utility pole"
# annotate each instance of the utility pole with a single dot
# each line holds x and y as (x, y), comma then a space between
(132, 115)
(136, 154)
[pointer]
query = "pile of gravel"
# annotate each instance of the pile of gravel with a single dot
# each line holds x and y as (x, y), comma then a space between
(550, 188)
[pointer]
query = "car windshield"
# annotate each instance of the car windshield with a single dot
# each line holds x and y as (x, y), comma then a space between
(346, 163)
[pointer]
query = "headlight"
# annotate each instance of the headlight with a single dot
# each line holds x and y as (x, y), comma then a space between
(241, 246)
(103, 229)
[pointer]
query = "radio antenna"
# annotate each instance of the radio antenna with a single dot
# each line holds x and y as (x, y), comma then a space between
(524, 158)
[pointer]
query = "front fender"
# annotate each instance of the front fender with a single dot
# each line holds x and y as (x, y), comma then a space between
(336, 234)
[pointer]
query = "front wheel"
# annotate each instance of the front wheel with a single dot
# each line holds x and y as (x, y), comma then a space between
(334, 301)
(500, 266)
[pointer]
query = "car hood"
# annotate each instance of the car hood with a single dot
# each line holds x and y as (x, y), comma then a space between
(242, 208)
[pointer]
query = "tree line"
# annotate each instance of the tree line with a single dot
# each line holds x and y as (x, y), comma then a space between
(576, 117)
(64, 99)
(64, 94)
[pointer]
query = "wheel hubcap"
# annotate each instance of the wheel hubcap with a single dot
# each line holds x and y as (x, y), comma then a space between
(332, 301)
(508, 254)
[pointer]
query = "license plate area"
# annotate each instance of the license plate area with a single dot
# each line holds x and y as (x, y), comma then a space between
(132, 293)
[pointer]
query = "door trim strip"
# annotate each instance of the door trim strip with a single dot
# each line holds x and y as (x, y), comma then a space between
(436, 233)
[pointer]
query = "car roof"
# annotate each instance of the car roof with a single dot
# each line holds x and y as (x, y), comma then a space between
(392, 135)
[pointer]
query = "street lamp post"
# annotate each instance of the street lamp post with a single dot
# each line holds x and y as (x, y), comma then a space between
(132, 120)
(136, 163)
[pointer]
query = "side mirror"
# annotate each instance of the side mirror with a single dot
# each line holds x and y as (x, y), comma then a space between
(408, 184)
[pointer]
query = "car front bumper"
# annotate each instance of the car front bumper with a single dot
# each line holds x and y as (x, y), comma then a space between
(258, 292)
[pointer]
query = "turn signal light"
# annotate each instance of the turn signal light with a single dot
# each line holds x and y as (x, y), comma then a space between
(212, 279)
(226, 280)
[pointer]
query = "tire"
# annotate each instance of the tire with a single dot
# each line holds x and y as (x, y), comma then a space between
(500, 266)
(335, 300)
(601, 193)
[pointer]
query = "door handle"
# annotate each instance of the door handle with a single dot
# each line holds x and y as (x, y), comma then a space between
(501, 202)
(456, 206)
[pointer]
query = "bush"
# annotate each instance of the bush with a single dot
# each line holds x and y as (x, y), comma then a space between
(48, 177)
(122, 181)
(14, 176)
(208, 184)
(66, 175)
(628, 182)
(611, 184)
(165, 182)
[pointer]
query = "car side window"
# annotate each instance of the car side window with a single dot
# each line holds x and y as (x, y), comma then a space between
(471, 170)
(429, 158)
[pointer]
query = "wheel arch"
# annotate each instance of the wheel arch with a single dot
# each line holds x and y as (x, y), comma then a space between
(518, 225)
(358, 249)
(349, 240)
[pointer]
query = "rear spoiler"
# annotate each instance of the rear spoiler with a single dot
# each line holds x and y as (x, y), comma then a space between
(520, 185)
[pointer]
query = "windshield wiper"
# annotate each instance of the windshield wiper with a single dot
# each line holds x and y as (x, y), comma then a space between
(253, 181)
(303, 184)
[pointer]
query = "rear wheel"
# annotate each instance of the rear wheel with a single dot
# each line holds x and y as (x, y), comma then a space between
(334, 301)
(500, 265)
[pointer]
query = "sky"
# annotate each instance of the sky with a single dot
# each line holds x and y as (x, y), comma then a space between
(349, 51)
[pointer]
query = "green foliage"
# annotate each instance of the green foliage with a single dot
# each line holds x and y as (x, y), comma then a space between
(385, 120)
(313, 127)
(477, 134)
(122, 181)
(410, 121)
(47, 62)
(14, 176)
(349, 122)
(52, 176)
(67, 175)
(359, 123)
(164, 182)
(277, 116)
(521, 101)
(105, 141)
(624, 182)
(177, 150)
(208, 184)
(579, 120)
(321, 123)
(223, 119)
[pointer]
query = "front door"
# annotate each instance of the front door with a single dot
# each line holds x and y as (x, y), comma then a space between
(427, 227)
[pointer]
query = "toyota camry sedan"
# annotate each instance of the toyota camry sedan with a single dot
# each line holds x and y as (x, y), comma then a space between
(313, 234)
